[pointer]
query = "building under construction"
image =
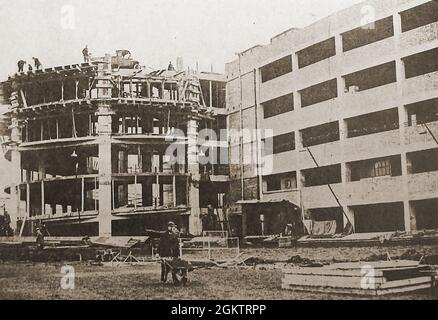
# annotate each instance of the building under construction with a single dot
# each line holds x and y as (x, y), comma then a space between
(89, 147)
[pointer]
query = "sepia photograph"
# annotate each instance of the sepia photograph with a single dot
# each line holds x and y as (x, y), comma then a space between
(219, 150)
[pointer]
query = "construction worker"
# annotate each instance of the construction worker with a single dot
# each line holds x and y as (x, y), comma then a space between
(37, 63)
(86, 54)
(168, 249)
(170, 67)
(39, 239)
(29, 67)
(21, 65)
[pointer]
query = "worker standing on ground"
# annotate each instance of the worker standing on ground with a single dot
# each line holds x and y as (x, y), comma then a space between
(37, 64)
(168, 249)
(86, 54)
(21, 65)
(39, 239)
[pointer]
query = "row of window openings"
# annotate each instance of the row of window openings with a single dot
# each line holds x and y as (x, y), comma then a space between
(416, 65)
(83, 125)
(417, 163)
(329, 133)
(52, 91)
(382, 121)
(125, 195)
(375, 31)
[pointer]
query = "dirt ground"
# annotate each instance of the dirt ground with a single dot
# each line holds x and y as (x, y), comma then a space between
(43, 281)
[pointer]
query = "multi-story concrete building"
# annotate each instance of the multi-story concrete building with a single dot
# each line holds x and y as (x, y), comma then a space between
(355, 89)
(89, 147)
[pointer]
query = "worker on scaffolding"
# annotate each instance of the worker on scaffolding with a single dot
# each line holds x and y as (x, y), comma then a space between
(86, 54)
(168, 249)
(37, 63)
(170, 67)
(21, 65)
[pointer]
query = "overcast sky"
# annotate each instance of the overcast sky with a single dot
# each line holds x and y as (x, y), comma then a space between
(156, 31)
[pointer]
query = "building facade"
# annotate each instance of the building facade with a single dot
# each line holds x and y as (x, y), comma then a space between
(108, 149)
(350, 101)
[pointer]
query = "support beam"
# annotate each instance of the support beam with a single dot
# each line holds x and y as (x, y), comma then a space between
(135, 193)
(211, 93)
(193, 169)
(43, 209)
(27, 201)
(174, 191)
(82, 195)
(23, 98)
(76, 89)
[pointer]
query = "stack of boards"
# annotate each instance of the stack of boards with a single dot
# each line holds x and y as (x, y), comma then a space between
(361, 278)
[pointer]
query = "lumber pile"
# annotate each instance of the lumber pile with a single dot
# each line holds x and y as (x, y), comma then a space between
(361, 278)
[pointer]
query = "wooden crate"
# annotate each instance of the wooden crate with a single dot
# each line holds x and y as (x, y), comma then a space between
(387, 277)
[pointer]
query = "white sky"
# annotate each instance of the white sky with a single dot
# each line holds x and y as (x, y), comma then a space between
(156, 31)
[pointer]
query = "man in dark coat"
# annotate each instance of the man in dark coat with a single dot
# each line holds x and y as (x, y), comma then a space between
(21, 65)
(168, 249)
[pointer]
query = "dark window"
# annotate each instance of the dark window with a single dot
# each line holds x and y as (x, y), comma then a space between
(422, 112)
(421, 161)
(362, 36)
(319, 93)
(325, 133)
(278, 106)
(419, 16)
(281, 143)
(390, 166)
(372, 77)
(373, 123)
(379, 218)
(276, 69)
(282, 181)
(322, 176)
(421, 63)
(317, 52)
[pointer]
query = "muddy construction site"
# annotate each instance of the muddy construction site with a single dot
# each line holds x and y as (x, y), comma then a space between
(256, 273)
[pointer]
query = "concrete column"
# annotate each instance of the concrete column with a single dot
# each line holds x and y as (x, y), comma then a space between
(409, 213)
(345, 172)
(105, 171)
(14, 204)
(193, 169)
(340, 60)
(295, 64)
(299, 147)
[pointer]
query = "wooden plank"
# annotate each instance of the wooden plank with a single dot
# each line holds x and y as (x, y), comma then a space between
(340, 291)
(406, 282)
(392, 287)
(358, 292)
(375, 265)
(328, 272)
(404, 289)
(332, 282)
